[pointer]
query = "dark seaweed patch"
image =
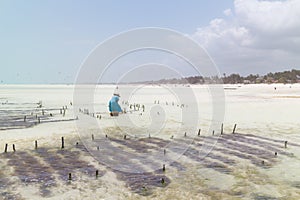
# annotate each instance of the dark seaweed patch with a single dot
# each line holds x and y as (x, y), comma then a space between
(255, 142)
(143, 183)
(157, 141)
(251, 158)
(270, 139)
(178, 166)
(30, 170)
(194, 154)
(27, 117)
(137, 145)
(263, 197)
(64, 162)
(260, 153)
(10, 196)
(296, 184)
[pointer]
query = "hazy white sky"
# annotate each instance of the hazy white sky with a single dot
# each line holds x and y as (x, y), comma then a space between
(47, 41)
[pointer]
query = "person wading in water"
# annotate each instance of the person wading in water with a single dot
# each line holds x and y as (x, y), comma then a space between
(114, 107)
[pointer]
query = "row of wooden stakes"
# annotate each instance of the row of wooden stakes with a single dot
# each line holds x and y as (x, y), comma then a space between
(125, 137)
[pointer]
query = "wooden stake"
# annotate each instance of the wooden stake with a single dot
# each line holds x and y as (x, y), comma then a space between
(70, 177)
(14, 148)
(97, 173)
(36, 144)
(93, 137)
(62, 142)
(222, 129)
(199, 132)
(285, 144)
(233, 131)
(5, 149)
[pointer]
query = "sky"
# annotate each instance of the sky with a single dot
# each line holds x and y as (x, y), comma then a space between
(47, 41)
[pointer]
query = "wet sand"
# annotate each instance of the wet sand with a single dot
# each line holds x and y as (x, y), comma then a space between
(253, 163)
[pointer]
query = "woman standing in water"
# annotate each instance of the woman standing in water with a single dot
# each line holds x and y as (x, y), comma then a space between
(114, 107)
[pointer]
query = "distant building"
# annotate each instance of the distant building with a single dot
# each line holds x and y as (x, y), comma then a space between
(247, 81)
(260, 79)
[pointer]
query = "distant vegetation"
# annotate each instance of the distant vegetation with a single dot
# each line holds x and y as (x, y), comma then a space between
(292, 76)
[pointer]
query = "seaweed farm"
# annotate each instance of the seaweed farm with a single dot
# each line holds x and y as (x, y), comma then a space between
(48, 168)
(242, 157)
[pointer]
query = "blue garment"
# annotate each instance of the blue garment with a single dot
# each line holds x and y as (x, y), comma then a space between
(114, 105)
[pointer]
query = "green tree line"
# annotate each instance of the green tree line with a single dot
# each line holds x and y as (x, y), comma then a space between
(292, 76)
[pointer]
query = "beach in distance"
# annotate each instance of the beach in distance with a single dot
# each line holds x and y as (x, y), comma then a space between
(170, 142)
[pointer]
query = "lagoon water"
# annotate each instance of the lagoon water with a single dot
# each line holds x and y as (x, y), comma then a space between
(210, 166)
